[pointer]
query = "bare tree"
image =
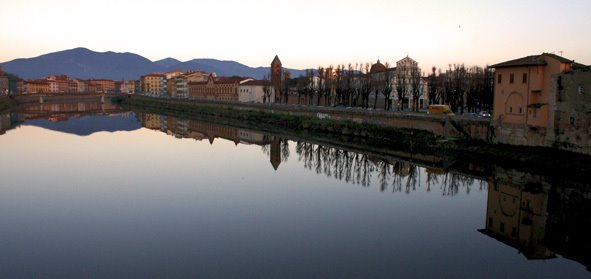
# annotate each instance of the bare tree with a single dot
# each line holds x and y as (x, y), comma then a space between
(266, 90)
(401, 85)
(388, 87)
(415, 86)
(365, 86)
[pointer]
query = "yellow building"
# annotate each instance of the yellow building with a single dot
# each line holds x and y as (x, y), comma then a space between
(37, 86)
(153, 83)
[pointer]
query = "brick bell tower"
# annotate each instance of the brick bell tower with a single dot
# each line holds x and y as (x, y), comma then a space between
(276, 70)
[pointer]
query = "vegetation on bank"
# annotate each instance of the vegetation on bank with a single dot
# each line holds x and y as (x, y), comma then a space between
(6, 103)
(463, 154)
(272, 122)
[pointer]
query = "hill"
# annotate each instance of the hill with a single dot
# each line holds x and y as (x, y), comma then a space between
(85, 64)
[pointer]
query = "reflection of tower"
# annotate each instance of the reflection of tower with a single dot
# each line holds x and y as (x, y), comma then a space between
(276, 152)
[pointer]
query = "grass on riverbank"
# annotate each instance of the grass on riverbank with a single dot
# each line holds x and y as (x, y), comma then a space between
(374, 136)
(271, 121)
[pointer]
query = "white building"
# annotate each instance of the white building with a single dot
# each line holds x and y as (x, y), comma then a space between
(253, 91)
(409, 74)
(128, 87)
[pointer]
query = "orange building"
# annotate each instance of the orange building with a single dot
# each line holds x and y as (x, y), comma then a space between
(216, 89)
(526, 98)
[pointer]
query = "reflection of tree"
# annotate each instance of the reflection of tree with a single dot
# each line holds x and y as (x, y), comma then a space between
(358, 168)
(453, 181)
(284, 150)
(266, 148)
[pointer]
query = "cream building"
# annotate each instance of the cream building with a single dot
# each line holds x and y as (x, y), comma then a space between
(256, 91)
(153, 84)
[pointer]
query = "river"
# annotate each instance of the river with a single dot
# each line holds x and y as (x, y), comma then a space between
(93, 190)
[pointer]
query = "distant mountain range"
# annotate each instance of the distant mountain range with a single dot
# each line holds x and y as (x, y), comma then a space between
(85, 64)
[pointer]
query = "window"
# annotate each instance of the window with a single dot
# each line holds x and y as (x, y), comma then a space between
(499, 78)
(524, 80)
(513, 232)
(511, 78)
(490, 222)
(502, 228)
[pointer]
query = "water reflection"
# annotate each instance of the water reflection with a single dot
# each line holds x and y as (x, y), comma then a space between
(539, 216)
(350, 166)
(62, 117)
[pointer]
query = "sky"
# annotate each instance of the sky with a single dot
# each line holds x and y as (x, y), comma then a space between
(304, 33)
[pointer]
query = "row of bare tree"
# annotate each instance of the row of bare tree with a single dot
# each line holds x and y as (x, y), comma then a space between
(358, 168)
(464, 89)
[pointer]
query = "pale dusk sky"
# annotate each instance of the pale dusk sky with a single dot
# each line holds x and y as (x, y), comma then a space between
(304, 33)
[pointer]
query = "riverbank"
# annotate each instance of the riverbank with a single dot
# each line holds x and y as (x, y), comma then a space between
(6, 103)
(413, 143)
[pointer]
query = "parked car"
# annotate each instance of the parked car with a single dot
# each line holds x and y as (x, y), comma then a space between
(484, 114)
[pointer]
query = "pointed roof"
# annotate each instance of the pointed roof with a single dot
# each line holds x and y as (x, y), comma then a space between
(275, 163)
(276, 61)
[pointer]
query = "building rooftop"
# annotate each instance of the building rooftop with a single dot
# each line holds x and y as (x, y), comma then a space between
(257, 82)
(377, 68)
(532, 60)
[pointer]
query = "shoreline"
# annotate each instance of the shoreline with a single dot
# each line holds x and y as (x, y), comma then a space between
(410, 143)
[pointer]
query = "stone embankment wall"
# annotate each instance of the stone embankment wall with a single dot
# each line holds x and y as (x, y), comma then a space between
(449, 127)
(61, 97)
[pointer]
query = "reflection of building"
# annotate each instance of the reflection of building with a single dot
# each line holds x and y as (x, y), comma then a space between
(251, 137)
(150, 120)
(200, 130)
(517, 217)
(540, 220)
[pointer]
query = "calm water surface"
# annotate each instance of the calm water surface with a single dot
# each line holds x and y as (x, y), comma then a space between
(143, 195)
